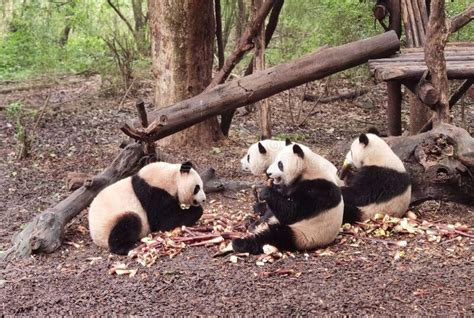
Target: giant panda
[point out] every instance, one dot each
(380, 184)
(258, 158)
(307, 204)
(260, 155)
(154, 199)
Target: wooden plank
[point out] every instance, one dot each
(399, 73)
(451, 46)
(399, 60)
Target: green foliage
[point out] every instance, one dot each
(306, 25)
(32, 32)
(33, 41)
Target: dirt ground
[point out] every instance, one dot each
(79, 132)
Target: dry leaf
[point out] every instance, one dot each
(269, 249)
(411, 215)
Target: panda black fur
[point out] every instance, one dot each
(307, 205)
(380, 184)
(258, 159)
(149, 201)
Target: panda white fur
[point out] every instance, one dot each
(149, 201)
(258, 158)
(306, 202)
(260, 155)
(380, 184)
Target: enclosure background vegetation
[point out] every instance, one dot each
(33, 42)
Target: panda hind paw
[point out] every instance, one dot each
(246, 245)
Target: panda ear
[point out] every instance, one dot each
(261, 148)
(263, 138)
(373, 130)
(287, 142)
(298, 151)
(186, 167)
(363, 139)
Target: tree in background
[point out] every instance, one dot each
(182, 34)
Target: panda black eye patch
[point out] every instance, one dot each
(248, 158)
(280, 165)
(196, 189)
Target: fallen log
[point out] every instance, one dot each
(252, 88)
(440, 163)
(44, 234)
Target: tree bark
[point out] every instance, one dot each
(220, 43)
(440, 162)
(182, 50)
(461, 19)
(259, 61)
(436, 39)
(140, 27)
(226, 118)
(252, 88)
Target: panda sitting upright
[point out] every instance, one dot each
(149, 201)
(380, 184)
(307, 205)
(260, 155)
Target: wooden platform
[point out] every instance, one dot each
(410, 64)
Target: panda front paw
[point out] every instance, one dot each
(260, 208)
(265, 193)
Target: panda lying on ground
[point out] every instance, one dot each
(380, 184)
(307, 205)
(149, 201)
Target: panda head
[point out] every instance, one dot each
(190, 188)
(289, 165)
(371, 150)
(261, 154)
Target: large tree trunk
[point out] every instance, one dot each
(182, 50)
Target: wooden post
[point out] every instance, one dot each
(394, 89)
(394, 108)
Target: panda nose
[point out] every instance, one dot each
(269, 174)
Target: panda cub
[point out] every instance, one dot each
(149, 201)
(307, 205)
(381, 183)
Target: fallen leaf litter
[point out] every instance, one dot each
(216, 230)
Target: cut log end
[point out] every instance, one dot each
(428, 94)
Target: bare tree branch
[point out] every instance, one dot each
(460, 20)
(243, 46)
(124, 19)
